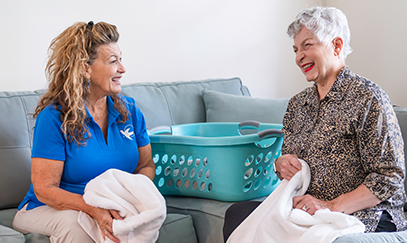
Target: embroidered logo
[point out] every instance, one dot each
(128, 132)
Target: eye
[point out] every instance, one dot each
(307, 45)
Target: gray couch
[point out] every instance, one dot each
(189, 219)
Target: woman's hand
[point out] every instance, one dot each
(347, 203)
(287, 166)
(104, 219)
(310, 204)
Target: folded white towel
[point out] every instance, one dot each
(135, 197)
(275, 220)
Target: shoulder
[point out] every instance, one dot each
(364, 89)
(51, 111)
(302, 97)
(305, 93)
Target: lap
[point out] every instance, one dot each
(60, 226)
(238, 212)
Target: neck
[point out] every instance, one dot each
(95, 104)
(325, 87)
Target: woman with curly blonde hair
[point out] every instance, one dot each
(83, 128)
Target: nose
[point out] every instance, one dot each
(121, 69)
(299, 56)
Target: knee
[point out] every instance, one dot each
(70, 230)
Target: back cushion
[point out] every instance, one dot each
(16, 125)
(166, 104)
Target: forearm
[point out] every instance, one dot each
(62, 200)
(148, 171)
(146, 164)
(358, 199)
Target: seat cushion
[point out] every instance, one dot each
(208, 215)
(177, 228)
(8, 235)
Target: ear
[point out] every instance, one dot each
(88, 71)
(337, 44)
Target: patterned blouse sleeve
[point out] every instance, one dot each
(381, 148)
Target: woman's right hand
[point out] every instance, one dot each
(287, 166)
(104, 219)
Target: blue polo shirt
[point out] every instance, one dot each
(83, 163)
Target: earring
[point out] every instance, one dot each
(87, 85)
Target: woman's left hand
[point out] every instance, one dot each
(310, 204)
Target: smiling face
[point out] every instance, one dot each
(317, 61)
(106, 71)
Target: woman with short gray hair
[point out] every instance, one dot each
(344, 127)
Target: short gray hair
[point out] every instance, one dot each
(326, 23)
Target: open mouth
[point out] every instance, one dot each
(308, 67)
(116, 81)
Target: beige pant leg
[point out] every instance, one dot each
(60, 226)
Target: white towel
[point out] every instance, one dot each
(275, 220)
(137, 200)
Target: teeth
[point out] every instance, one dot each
(308, 65)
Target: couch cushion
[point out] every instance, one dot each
(7, 217)
(221, 107)
(177, 228)
(166, 104)
(16, 125)
(151, 101)
(8, 235)
(208, 215)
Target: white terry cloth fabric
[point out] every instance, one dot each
(135, 197)
(275, 220)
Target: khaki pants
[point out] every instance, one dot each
(60, 226)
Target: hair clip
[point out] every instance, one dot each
(90, 25)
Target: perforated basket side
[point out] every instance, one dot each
(226, 173)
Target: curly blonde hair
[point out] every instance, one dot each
(69, 53)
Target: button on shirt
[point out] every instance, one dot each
(350, 137)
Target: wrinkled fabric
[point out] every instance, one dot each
(276, 221)
(350, 137)
(137, 200)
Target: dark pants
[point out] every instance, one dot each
(239, 212)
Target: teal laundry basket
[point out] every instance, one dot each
(221, 161)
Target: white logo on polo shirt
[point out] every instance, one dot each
(128, 132)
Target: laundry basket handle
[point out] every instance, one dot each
(159, 130)
(262, 134)
(249, 125)
(268, 132)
